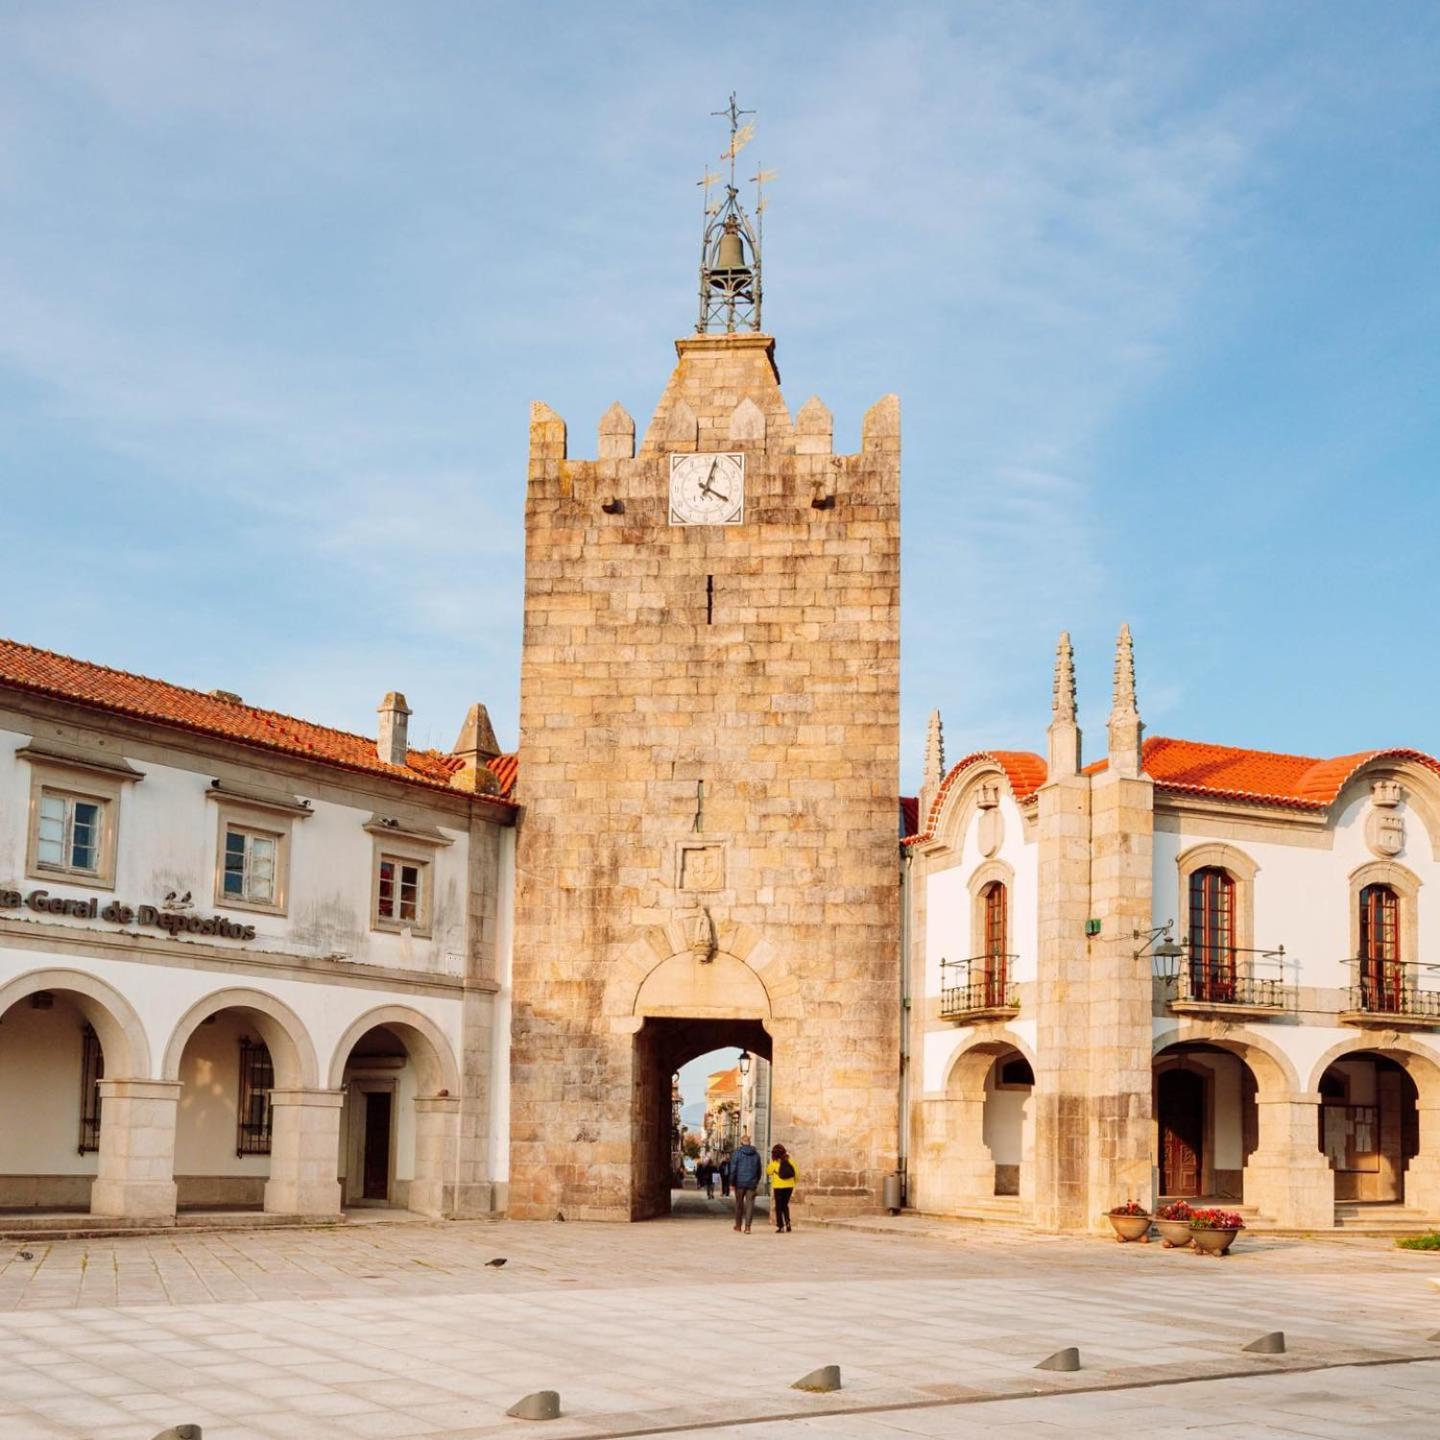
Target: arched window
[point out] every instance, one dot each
(997, 938)
(1381, 971)
(1212, 934)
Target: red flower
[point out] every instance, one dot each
(1216, 1220)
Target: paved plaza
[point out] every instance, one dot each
(402, 1329)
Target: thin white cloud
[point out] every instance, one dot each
(1005, 213)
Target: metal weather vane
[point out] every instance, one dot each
(730, 292)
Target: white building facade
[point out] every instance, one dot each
(1187, 971)
(246, 962)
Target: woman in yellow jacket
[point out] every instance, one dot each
(782, 1177)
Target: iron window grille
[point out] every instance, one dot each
(92, 1072)
(252, 1113)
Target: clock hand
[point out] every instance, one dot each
(706, 490)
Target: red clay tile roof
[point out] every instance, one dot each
(505, 768)
(1025, 772)
(909, 814)
(1298, 782)
(42, 672)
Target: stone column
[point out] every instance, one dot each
(967, 1168)
(1058, 1181)
(1287, 1177)
(1422, 1174)
(136, 1174)
(304, 1152)
(1061, 1006)
(1122, 829)
(432, 1191)
(1120, 1123)
(1027, 1157)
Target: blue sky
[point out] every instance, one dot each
(1157, 286)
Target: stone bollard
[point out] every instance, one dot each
(542, 1405)
(1271, 1344)
(180, 1432)
(1067, 1359)
(827, 1377)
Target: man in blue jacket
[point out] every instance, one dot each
(745, 1172)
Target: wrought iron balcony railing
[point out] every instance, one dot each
(1390, 989)
(1225, 978)
(978, 986)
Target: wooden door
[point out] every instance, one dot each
(377, 1145)
(1182, 1131)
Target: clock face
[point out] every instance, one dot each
(707, 489)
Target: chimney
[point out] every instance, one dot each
(476, 746)
(393, 746)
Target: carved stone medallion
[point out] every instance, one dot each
(1385, 824)
(701, 868)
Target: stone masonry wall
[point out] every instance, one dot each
(782, 704)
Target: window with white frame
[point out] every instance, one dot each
(70, 833)
(401, 892)
(249, 871)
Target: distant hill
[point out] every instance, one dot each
(693, 1115)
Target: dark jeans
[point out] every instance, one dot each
(744, 1207)
(780, 1203)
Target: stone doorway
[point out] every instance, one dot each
(663, 1045)
(1180, 1105)
(397, 1120)
(1206, 1123)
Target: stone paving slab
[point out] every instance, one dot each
(403, 1330)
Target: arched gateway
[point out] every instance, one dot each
(708, 770)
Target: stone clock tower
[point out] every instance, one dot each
(709, 773)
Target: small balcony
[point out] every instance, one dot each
(1227, 983)
(1388, 997)
(978, 989)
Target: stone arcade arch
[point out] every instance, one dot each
(42, 1052)
(1284, 1176)
(678, 998)
(1412, 1164)
(980, 1138)
(399, 1125)
(299, 1177)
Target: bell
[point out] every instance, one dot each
(730, 253)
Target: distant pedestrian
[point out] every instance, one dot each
(745, 1178)
(724, 1177)
(782, 1176)
(705, 1178)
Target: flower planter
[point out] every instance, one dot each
(1175, 1233)
(1130, 1227)
(1213, 1242)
